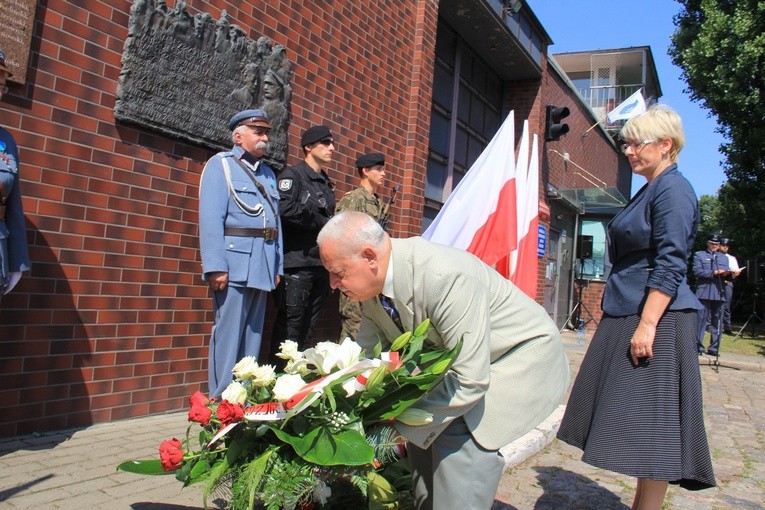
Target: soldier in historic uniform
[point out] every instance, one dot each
(710, 268)
(371, 168)
(14, 256)
(241, 243)
(307, 203)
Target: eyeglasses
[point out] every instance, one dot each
(635, 146)
(326, 141)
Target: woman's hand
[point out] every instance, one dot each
(641, 345)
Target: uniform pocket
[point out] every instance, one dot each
(238, 252)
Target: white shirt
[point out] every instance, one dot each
(387, 289)
(732, 262)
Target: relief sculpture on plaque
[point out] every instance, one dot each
(185, 75)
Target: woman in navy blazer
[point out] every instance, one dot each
(636, 407)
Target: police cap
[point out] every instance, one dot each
(713, 238)
(313, 134)
(725, 241)
(249, 118)
(370, 160)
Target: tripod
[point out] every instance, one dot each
(753, 315)
(576, 312)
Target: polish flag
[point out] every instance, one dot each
(480, 215)
(524, 261)
(507, 265)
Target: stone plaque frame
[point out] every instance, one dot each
(185, 76)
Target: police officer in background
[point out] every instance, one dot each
(14, 255)
(307, 203)
(710, 268)
(735, 270)
(371, 168)
(241, 243)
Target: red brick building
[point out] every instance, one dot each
(113, 320)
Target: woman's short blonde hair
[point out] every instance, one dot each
(657, 123)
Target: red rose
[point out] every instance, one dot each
(200, 414)
(170, 454)
(198, 399)
(229, 413)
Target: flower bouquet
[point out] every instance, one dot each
(318, 435)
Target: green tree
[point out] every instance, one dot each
(709, 212)
(720, 46)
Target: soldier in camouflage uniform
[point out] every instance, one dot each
(371, 168)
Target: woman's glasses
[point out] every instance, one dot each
(635, 146)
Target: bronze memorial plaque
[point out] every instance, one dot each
(185, 76)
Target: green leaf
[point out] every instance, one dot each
(381, 493)
(254, 472)
(413, 387)
(392, 403)
(144, 467)
(326, 449)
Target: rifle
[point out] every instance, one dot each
(386, 209)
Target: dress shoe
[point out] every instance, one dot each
(712, 353)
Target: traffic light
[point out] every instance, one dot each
(554, 128)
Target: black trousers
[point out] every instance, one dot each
(299, 298)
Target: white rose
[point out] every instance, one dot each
(286, 386)
(235, 393)
(245, 369)
(289, 350)
(263, 375)
(298, 366)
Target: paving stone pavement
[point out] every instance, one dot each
(75, 469)
(734, 410)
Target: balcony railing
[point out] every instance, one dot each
(603, 99)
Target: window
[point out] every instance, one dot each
(458, 137)
(598, 266)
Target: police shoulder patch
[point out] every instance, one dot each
(285, 184)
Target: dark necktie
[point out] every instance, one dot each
(391, 310)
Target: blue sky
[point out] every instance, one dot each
(603, 24)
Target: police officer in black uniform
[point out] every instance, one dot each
(307, 202)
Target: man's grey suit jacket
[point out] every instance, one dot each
(511, 373)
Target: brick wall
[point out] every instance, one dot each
(592, 150)
(113, 320)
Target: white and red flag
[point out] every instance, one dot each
(480, 216)
(524, 261)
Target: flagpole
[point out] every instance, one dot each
(592, 127)
(603, 184)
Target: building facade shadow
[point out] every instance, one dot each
(45, 353)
